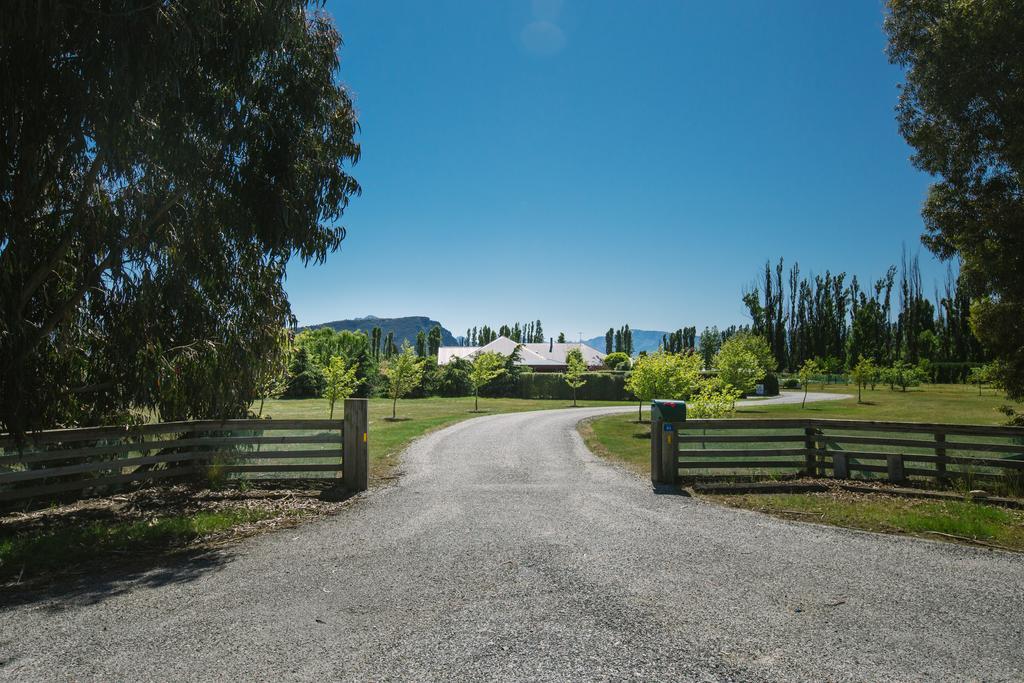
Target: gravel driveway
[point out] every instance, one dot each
(508, 551)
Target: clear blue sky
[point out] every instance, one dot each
(594, 163)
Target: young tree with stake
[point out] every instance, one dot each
(404, 372)
(341, 381)
(575, 371)
(862, 373)
(808, 371)
(487, 367)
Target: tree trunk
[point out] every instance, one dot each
(476, 402)
(640, 412)
(394, 409)
(803, 403)
(332, 411)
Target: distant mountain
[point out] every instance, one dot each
(643, 340)
(404, 328)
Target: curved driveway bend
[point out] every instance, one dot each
(508, 552)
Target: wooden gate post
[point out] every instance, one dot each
(354, 463)
(840, 465)
(810, 452)
(940, 454)
(669, 454)
(894, 465)
(656, 446)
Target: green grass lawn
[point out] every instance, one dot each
(415, 417)
(947, 403)
(621, 438)
(946, 520)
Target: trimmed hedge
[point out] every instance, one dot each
(600, 386)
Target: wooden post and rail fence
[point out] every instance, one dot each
(895, 451)
(99, 460)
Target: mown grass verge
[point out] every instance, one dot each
(946, 403)
(964, 522)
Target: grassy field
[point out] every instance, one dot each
(416, 417)
(947, 403)
(966, 521)
(621, 438)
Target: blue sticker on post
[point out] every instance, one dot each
(668, 427)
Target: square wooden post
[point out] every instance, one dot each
(840, 465)
(810, 452)
(355, 462)
(656, 445)
(669, 454)
(894, 461)
(940, 454)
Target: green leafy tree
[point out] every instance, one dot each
(340, 381)
(575, 371)
(962, 109)
(162, 163)
(863, 373)
(617, 361)
(663, 375)
(710, 343)
(487, 367)
(434, 340)
(712, 400)
(403, 372)
(902, 374)
(982, 375)
(421, 344)
(743, 361)
(808, 371)
(561, 337)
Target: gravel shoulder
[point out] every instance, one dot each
(508, 552)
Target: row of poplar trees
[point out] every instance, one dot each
(521, 333)
(831, 317)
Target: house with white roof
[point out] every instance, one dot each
(544, 357)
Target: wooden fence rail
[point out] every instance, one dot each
(97, 460)
(899, 451)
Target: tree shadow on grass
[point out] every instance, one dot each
(397, 419)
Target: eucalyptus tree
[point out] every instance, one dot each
(161, 165)
(962, 110)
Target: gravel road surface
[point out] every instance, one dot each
(508, 552)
